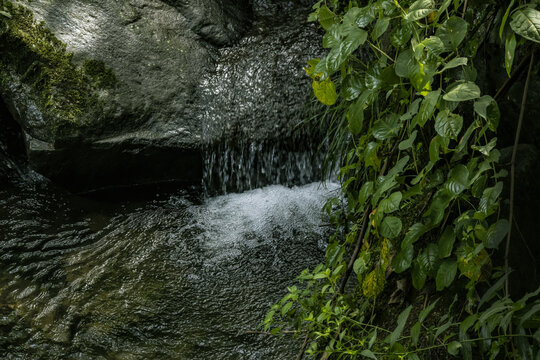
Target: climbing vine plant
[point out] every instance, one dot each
(421, 182)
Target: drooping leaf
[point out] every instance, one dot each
(452, 32)
(405, 63)
(401, 35)
(490, 197)
(365, 192)
(446, 274)
(325, 91)
(488, 109)
(418, 275)
(419, 9)
(496, 233)
(505, 18)
(381, 25)
(355, 117)
(371, 158)
(509, 52)
(446, 242)
(448, 124)
(332, 37)
(462, 92)
(391, 227)
(401, 320)
(526, 22)
(368, 353)
(429, 258)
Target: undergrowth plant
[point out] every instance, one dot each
(416, 142)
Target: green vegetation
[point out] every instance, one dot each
(31, 51)
(416, 142)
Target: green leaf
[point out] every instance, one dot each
(446, 274)
(326, 17)
(453, 348)
(401, 36)
(509, 52)
(391, 204)
(434, 147)
(419, 9)
(424, 313)
(386, 127)
(332, 37)
(340, 53)
(488, 109)
(490, 197)
(454, 63)
(380, 28)
(526, 22)
(351, 87)
(411, 111)
(370, 156)
(415, 333)
(402, 319)
(458, 180)
(448, 124)
(355, 117)
(360, 265)
(418, 276)
(462, 92)
(452, 32)
(446, 242)
(406, 144)
(391, 227)
(413, 234)
(496, 233)
(505, 18)
(365, 192)
(405, 63)
(368, 353)
(325, 91)
(429, 258)
(428, 107)
(402, 261)
(6, 14)
(432, 44)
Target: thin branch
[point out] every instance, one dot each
(464, 10)
(512, 77)
(513, 172)
(304, 347)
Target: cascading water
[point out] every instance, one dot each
(175, 276)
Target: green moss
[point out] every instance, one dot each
(66, 92)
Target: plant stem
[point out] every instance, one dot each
(513, 173)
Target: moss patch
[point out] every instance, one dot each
(66, 92)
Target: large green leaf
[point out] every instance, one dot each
(391, 204)
(401, 36)
(339, 53)
(452, 32)
(326, 17)
(332, 37)
(380, 27)
(458, 180)
(419, 9)
(446, 242)
(418, 275)
(402, 261)
(371, 158)
(386, 127)
(391, 227)
(408, 143)
(488, 109)
(496, 233)
(526, 22)
(365, 192)
(405, 63)
(462, 92)
(351, 87)
(325, 91)
(428, 107)
(448, 124)
(446, 274)
(490, 197)
(455, 62)
(429, 258)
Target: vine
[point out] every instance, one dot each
(421, 180)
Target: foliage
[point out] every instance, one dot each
(421, 178)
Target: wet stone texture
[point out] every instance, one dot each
(166, 79)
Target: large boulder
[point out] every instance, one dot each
(115, 92)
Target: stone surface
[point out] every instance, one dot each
(171, 76)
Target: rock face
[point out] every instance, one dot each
(115, 93)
